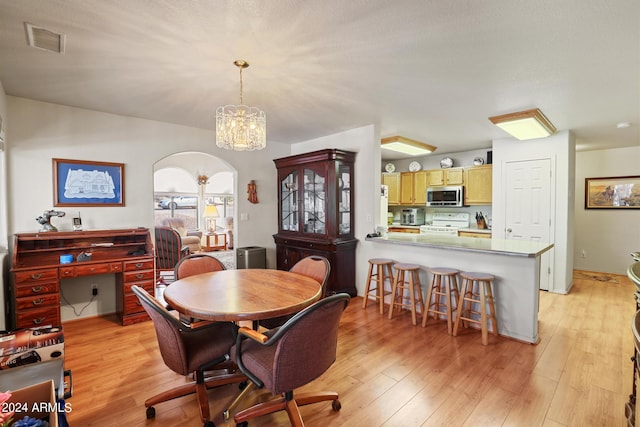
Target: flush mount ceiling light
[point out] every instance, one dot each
(524, 125)
(239, 127)
(407, 146)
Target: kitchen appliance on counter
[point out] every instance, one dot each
(412, 216)
(452, 196)
(446, 223)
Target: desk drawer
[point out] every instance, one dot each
(36, 275)
(137, 276)
(132, 305)
(148, 286)
(37, 301)
(145, 264)
(38, 317)
(90, 270)
(32, 289)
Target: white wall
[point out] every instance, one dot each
(606, 235)
(41, 131)
(4, 260)
(364, 141)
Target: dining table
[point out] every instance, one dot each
(243, 294)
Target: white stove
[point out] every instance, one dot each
(446, 223)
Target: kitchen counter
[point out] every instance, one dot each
(515, 264)
(449, 242)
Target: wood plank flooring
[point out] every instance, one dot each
(391, 373)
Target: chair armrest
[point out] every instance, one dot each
(196, 233)
(185, 250)
(254, 335)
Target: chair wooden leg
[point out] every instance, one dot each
(203, 401)
(294, 413)
(260, 409)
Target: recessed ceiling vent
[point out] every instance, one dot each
(44, 39)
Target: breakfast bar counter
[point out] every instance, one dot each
(515, 264)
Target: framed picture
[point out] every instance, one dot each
(620, 192)
(87, 183)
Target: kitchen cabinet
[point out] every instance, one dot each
(478, 185)
(392, 181)
(413, 188)
(400, 229)
(315, 213)
(470, 233)
(443, 177)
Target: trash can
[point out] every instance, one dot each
(251, 257)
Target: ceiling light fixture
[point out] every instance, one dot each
(239, 127)
(525, 125)
(406, 146)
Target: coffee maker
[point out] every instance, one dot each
(412, 216)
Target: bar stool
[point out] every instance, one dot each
(476, 289)
(444, 283)
(410, 283)
(379, 272)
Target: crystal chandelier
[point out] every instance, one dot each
(239, 127)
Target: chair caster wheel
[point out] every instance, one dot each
(242, 424)
(336, 405)
(151, 412)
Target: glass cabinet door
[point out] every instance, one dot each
(314, 202)
(344, 198)
(289, 202)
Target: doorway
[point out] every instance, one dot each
(528, 208)
(189, 186)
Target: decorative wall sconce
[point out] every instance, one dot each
(252, 191)
(203, 180)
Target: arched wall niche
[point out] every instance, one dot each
(178, 192)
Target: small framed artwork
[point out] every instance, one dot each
(87, 183)
(620, 192)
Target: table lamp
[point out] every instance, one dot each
(210, 215)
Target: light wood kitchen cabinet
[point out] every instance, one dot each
(413, 187)
(392, 180)
(442, 177)
(467, 233)
(478, 185)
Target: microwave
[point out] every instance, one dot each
(445, 196)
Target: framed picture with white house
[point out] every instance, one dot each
(87, 183)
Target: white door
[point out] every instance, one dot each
(528, 208)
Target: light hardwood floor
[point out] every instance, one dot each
(390, 373)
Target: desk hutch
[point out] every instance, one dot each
(315, 214)
(35, 290)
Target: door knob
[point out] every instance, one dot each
(509, 230)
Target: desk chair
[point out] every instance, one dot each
(187, 351)
(315, 267)
(169, 248)
(287, 358)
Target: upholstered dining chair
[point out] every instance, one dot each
(187, 351)
(197, 264)
(315, 267)
(169, 248)
(287, 358)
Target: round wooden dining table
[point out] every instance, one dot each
(244, 294)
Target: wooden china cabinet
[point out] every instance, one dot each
(315, 214)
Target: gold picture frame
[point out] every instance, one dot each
(618, 192)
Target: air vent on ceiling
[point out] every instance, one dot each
(44, 39)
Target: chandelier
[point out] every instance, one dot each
(239, 127)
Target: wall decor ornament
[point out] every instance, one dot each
(621, 192)
(87, 183)
(252, 191)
